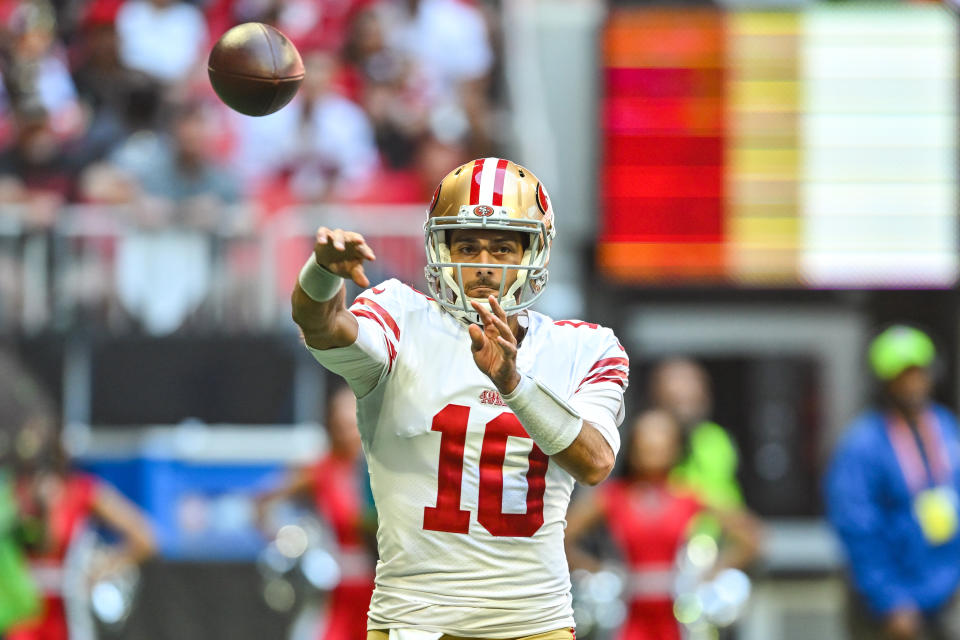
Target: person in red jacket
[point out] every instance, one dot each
(649, 520)
(337, 485)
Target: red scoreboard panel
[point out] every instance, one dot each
(813, 148)
(663, 119)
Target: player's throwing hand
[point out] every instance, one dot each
(494, 346)
(342, 253)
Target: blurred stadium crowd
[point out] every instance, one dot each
(132, 202)
(105, 106)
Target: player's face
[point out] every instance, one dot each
(490, 247)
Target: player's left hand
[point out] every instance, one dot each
(494, 346)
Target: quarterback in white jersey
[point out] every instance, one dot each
(477, 414)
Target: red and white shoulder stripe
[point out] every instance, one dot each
(612, 363)
(613, 369)
(366, 307)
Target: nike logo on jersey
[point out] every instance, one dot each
(488, 396)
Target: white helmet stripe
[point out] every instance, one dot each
(488, 177)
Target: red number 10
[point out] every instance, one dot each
(451, 422)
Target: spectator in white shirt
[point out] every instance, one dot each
(163, 38)
(448, 39)
(448, 43)
(37, 73)
(322, 140)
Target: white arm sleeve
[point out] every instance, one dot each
(602, 406)
(366, 362)
(363, 364)
(599, 396)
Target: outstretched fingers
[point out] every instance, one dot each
(349, 243)
(358, 244)
(497, 309)
(476, 337)
(336, 239)
(486, 318)
(359, 277)
(499, 319)
(493, 326)
(508, 347)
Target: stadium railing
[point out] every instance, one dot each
(95, 266)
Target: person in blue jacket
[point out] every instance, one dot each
(891, 495)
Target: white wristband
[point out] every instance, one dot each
(318, 283)
(552, 423)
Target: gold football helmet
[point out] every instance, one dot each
(496, 194)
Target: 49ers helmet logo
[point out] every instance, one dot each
(542, 200)
(482, 210)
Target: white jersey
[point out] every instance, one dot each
(471, 511)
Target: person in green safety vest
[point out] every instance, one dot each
(19, 595)
(709, 463)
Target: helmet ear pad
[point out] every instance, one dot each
(443, 249)
(514, 289)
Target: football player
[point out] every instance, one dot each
(477, 414)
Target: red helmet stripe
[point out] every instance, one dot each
(475, 182)
(498, 183)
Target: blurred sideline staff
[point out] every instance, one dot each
(708, 460)
(337, 484)
(891, 494)
(54, 503)
(650, 517)
(19, 596)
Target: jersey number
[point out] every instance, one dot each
(451, 422)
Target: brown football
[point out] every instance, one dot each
(255, 69)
